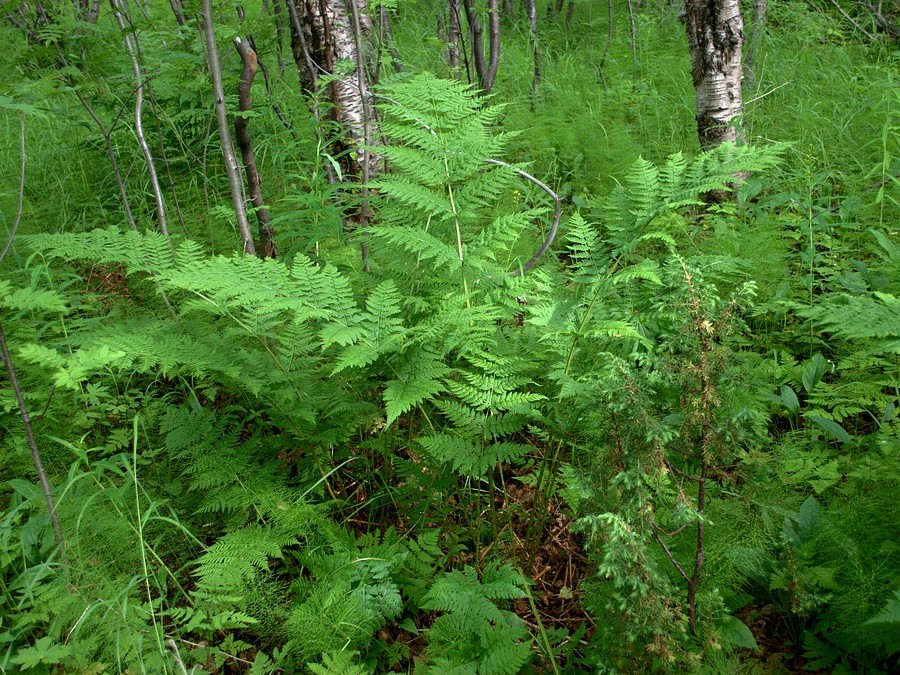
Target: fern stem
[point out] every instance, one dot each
(584, 320)
(541, 630)
(459, 248)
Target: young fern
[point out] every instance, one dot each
(436, 203)
(650, 192)
(474, 634)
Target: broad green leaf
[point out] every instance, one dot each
(789, 399)
(734, 632)
(809, 517)
(813, 371)
(832, 428)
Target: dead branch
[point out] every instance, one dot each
(231, 162)
(245, 143)
(120, 11)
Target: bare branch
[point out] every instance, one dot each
(118, 11)
(245, 143)
(852, 20)
(557, 214)
(231, 162)
(670, 556)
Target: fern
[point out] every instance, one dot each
(875, 317)
(648, 193)
(339, 663)
(138, 251)
(31, 299)
(435, 203)
(419, 378)
(353, 592)
(473, 632)
(487, 404)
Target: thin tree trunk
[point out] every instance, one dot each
(476, 31)
(231, 162)
(715, 32)
(634, 59)
(535, 51)
(279, 37)
(486, 71)
(178, 11)
(111, 154)
(554, 9)
(11, 371)
(306, 68)
(121, 11)
(493, 43)
(245, 143)
(35, 451)
(90, 11)
(453, 39)
(610, 34)
(694, 581)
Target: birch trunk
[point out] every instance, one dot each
(332, 39)
(715, 31)
(535, 51)
(121, 11)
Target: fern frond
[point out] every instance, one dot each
(137, 251)
(419, 378)
(875, 317)
(474, 633)
(31, 299)
(238, 556)
(419, 243)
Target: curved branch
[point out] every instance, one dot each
(130, 47)
(557, 214)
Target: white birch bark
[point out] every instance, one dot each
(715, 32)
(353, 100)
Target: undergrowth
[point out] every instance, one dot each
(320, 464)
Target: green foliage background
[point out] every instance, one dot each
(308, 464)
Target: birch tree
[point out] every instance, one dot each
(715, 33)
(334, 35)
